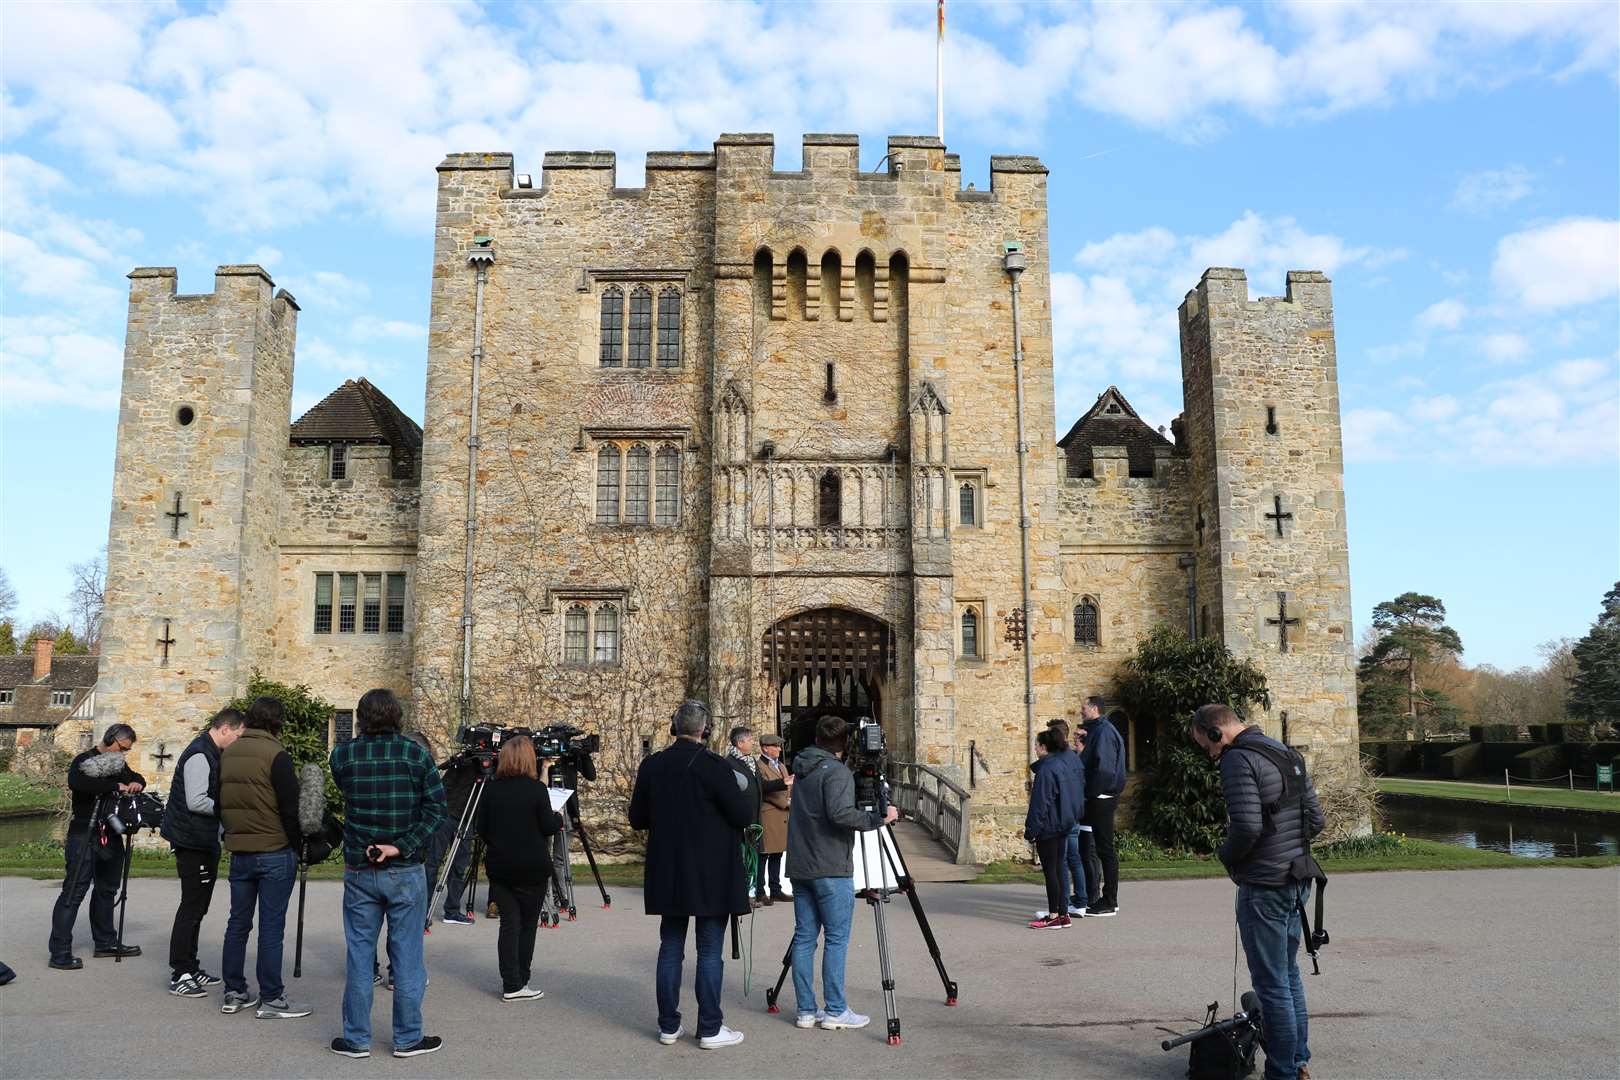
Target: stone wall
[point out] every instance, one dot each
(1241, 358)
(227, 357)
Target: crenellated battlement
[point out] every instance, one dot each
(1226, 286)
(234, 283)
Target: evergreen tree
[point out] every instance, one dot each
(305, 726)
(8, 638)
(1594, 691)
(1412, 636)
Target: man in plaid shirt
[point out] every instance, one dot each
(393, 803)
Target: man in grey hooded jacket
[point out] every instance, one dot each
(821, 835)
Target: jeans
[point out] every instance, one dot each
(1093, 865)
(1100, 816)
(1075, 881)
(87, 871)
(397, 891)
(1052, 850)
(263, 879)
(821, 906)
(198, 869)
(1268, 923)
(520, 917)
(711, 970)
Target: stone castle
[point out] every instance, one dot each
(743, 434)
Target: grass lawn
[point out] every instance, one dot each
(1495, 793)
(18, 794)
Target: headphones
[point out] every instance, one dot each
(674, 718)
(1210, 734)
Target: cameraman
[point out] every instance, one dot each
(822, 823)
(459, 777)
(689, 801)
(191, 826)
(1263, 839)
(94, 854)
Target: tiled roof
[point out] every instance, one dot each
(1111, 422)
(357, 412)
(67, 671)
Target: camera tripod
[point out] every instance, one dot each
(560, 897)
(877, 895)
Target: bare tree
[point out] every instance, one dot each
(8, 596)
(86, 599)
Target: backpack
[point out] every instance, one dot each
(1229, 1054)
(1291, 766)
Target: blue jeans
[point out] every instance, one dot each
(1268, 923)
(821, 905)
(263, 879)
(1076, 867)
(711, 971)
(397, 891)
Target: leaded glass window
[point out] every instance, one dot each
(612, 326)
(639, 353)
(607, 634)
(970, 632)
(669, 328)
(668, 485)
(347, 585)
(607, 485)
(396, 603)
(636, 480)
(576, 635)
(323, 603)
(1085, 622)
(371, 611)
(968, 505)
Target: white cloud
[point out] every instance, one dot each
(371, 328)
(1439, 407)
(1371, 435)
(1491, 190)
(1443, 315)
(1567, 263)
(41, 364)
(326, 289)
(1504, 348)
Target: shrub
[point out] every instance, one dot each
(1467, 760)
(1539, 763)
(304, 734)
(1363, 846)
(1163, 681)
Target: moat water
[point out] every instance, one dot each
(1495, 827)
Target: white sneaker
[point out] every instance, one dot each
(809, 1020)
(1041, 914)
(724, 1037)
(670, 1038)
(845, 1019)
(528, 993)
(1077, 912)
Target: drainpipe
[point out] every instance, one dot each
(480, 258)
(1014, 262)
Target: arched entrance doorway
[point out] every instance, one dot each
(826, 661)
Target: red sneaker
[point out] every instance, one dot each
(1065, 921)
(1051, 922)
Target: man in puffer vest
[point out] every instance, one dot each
(258, 805)
(191, 826)
(1264, 836)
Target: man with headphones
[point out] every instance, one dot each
(689, 801)
(1272, 816)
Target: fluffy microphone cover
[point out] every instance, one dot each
(311, 798)
(100, 765)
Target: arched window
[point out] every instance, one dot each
(576, 635)
(639, 343)
(636, 479)
(669, 327)
(607, 634)
(668, 486)
(607, 485)
(967, 505)
(829, 496)
(970, 632)
(612, 326)
(1085, 622)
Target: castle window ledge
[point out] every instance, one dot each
(340, 485)
(972, 662)
(828, 538)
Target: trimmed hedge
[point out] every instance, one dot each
(1467, 760)
(1586, 757)
(1540, 763)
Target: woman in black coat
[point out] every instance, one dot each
(516, 822)
(1055, 804)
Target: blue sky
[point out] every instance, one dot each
(1453, 167)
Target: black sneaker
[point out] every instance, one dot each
(67, 963)
(1101, 911)
(186, 986)
(205, 979)
(349, 1049)
(427, 1044)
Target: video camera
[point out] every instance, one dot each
(565, 744)
(864, 757)
(135, 810)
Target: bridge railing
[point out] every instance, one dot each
(935, 801)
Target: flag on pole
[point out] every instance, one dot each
(939, 74)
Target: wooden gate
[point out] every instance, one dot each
(827, 661)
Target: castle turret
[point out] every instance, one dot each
(197, 491)
(1262, 423)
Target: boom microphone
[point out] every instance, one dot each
(103, 765)
(311, 799)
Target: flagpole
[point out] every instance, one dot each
(939, 75)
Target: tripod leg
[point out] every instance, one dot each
(469, 814)
(590, 857)
(902, 874)
(298, 944)
(891, 1011)
(472, 877)
(123, 898)
(562, 867)
(775, 992)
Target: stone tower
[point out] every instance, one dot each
(197, 492)
(1273, 567)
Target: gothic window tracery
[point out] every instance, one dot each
(667, 508)
(637, 465)
(970, 633)
(607, 485)
(638, 351)
(829, 497)
(638, 483)
(1086, 622)
(612, 352)
(669, 327)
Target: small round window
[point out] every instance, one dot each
(185, 415)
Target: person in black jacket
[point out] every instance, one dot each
(191, 826)
(1104, 761)
(94, 854)
(740, 756)
(690, 802)
(1056, 800)
(1264, 836)
(516, 820)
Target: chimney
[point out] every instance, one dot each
(42, 657)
